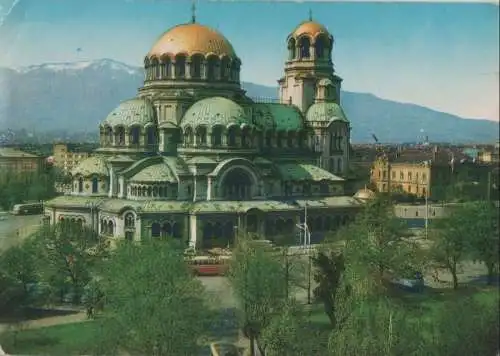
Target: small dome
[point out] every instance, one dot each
(156, 173)
(189, 39)
(215, 111)
(364, 194)
(311, 28)
(94, 165)
(328, 112)
(131, 112)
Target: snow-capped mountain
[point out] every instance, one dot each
(77, 96)
(102, 64)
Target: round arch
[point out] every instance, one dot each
(235, 178)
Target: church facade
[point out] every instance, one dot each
(193, 157)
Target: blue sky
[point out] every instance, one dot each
(444, 56)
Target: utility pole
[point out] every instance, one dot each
(426, 214)
(488, 192)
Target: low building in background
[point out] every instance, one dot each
(425, 171)
(68, 156)
(490, 155)
(16, 161)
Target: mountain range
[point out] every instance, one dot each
(77, 96)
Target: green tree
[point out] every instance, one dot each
(377, 327)
(68, 255)
(19, 273)
(466, 326)
(376, 242)
(330, 290)
(153, 303)
(484, 238)
(451, 238)
(259, 282)
(288, 333)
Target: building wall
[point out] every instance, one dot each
(65, 159)
(16, 161)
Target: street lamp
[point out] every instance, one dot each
(307, 244)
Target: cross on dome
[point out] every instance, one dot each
(193, 12)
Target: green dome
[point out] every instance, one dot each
(131, 112)
(160, 172)
(326, 112)
(94, 165)
(213, 112)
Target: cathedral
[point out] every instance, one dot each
(192, 157)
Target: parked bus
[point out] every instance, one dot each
(28, 209)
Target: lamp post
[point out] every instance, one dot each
(307, 244)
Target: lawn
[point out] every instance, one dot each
(68, 339)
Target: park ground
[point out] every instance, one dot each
(69, 332)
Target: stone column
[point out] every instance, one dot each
(193, 229)
(209, 137)
(187, 73)
(209, 188)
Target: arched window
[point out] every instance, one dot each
(196, 62)
(201, 135)
(167, 69)
(151, 136)
(217, 132)
(110, 229)
(291, 49)
(108, 131)
(320, 47)
(246, 139)
(180, 66)
(305, 47)
(80, 185)
(212, 64)
(166, 230)
(339, 165)
(225, 68)
(188, 136)
(231, 136)
(155, 68)
(134, 135)
(289, 139)
(237, 185)
(95, 185)
(155, 230)
(119, 136)
(269, 139)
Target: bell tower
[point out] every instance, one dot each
(309, 62)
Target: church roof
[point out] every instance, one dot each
(156, 173)
(299, 172)
(94, 165)
(131, 112)
(215, 111)
(327, 111)
(281, 117)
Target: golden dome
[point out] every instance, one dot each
(310, 28)
(190, 39)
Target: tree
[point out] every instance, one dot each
(153, 303)
(259, 282)
(376, 242)
(330, 267)
(484, 238)
(288, 333)
(377, 327)
(450, 239)
(69, 253)
(18, 274)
